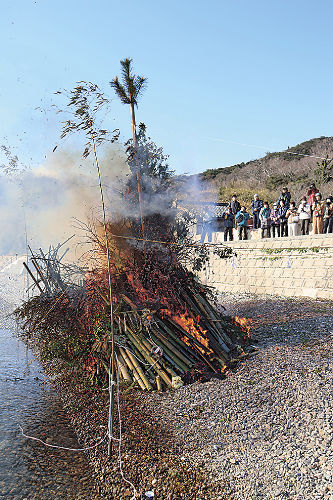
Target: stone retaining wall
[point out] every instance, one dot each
(293, 266)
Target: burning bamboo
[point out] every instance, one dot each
(166, 328)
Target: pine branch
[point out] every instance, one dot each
(120, 91)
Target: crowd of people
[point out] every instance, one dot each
(283, 218)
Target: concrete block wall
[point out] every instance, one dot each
(292, 267)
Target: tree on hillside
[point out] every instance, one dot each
(129, 90)
(324, 170)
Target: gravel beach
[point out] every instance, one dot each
(263, 432)
(266, 430)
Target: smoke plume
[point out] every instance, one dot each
(41, 206)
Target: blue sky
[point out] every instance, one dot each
(219, 73)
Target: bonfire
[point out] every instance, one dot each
(165, 324)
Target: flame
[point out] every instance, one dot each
(191, 326)
(245, 324)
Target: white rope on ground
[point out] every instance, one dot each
(63, 447)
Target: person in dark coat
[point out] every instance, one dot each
(234, 204)
(256, 206)
(282, 210)
(285, 196)
(229, 219)
(328, 216)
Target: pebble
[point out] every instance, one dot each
(279, 404)
(277, 441)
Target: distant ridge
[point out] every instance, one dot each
(297, 167)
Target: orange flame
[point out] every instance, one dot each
(245, 324)
(191, 326)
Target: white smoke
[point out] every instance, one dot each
(42, 205)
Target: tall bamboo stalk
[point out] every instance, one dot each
(112, 359)
(138, 176)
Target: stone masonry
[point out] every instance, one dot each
(293, 266)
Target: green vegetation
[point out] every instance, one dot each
(324, 172)
(295, 249)
(244, 194)
(297, 167)
(275, 181)
(211, 173)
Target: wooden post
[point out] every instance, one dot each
(33, 277)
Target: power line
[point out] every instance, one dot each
(268, 149)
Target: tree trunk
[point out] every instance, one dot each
(133, 124)
(138, 176)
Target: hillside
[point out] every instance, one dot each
(266, 176)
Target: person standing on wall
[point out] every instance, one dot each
(265, 220)
(285, 196)
(318, 208)
(256, 206)
(304, 212)
(293, 219)
(311, 194)
(275, 221)
(328, 216)
(229, 218)
(206, 226)
(282, 210)
(234, 204)
(242, 219)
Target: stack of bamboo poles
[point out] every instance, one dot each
(155, 351)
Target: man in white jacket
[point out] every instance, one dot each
(304, 211)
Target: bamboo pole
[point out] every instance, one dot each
(162, 362)
(196, 344)
(156, 365)
(159, 366)
(190, 337)
(178, 363)
(33, 277)
(180, 343)
(211, 326)
(101, 294)
(158, 383)
(213, 336)
(39, 271)
(129, 302)
(173, 348)
(140, 371)
(132, 368)
(214, 318)
(112, 357)
(123, 370)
